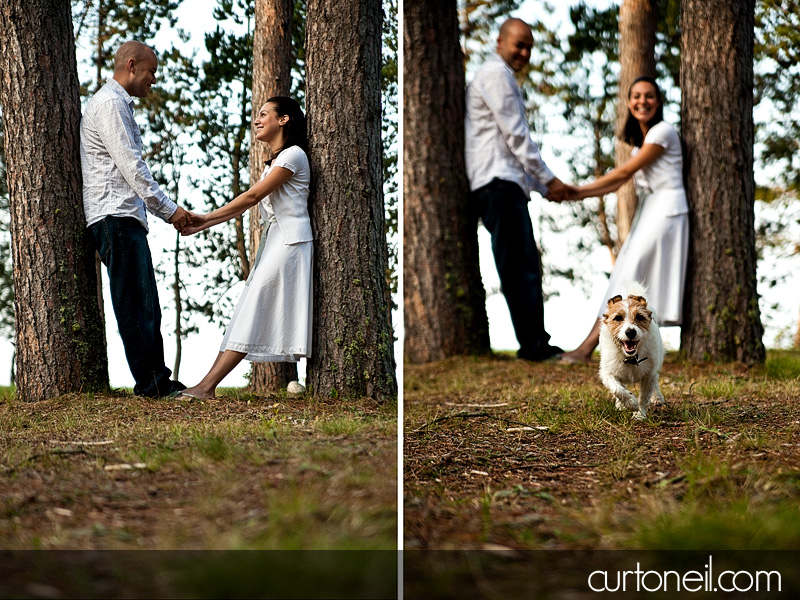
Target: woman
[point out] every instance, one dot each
(272, 322)
(656, 248)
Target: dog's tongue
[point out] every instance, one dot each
(630, 347)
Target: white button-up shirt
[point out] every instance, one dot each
(498, 143)
(116, 182)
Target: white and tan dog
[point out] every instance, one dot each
(631, 351)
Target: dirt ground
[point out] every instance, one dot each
(239, 472)
(504, 454)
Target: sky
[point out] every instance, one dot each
(568, 315)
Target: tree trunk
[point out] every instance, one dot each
(444, 299)
(637, 41)
(59, 334)
(353, 341)
(272, 76)
(722, 320)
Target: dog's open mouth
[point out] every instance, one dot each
(630, 347)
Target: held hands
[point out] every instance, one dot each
(558, 191)
(188, 223)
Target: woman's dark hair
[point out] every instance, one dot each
(632, 132)
(295, 129)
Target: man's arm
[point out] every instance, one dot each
(115, 129)
(504, 99)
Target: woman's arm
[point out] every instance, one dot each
(611, 181)
(276, 178)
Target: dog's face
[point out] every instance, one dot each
(628, 321)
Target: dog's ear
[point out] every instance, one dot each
(639, 299)
(614, 300)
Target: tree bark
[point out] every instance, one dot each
(722, 320)
(353, 340)
(272, 76)
(637, 40)
(59, 333)
(444, 299)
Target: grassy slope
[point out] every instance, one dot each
(239, 472)
(500, 453)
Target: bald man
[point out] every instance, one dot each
(118, 191)
(503, 167)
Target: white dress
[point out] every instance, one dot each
(656, 249)
(272, 322)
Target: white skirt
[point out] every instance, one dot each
(272, 322)
(655, 254)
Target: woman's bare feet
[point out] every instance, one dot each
(575, 357)
(197, 393)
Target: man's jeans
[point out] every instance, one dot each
(503, 208)
(122, 244)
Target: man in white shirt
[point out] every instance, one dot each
(503, 167)
(118, 189)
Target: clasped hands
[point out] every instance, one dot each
(188, 222)
(558, 191)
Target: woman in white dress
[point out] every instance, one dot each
(272, 322)
(656, 249)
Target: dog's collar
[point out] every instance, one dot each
(633, 360)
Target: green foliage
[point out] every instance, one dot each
(116, 22)
(221, 118)
(777, 52)
(389, 126)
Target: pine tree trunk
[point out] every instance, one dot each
(272, 61)
(722, 320)
(444, 299)
(637, 41)
(353, 341)
(59, 336)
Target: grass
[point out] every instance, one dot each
(540, 459)
(237, 473)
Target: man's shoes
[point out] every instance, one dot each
(540, 354)
(175, 388)
(170, 390)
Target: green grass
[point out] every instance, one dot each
(239, 472)
(716, 468)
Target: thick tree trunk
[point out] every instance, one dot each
(637, 41)
(353, 341)
(272, 72)
(722, 320)
(444, 299)
(59, 337)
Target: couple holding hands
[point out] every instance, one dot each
(272, 321)
(504, 165)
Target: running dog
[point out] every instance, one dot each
(631, 351)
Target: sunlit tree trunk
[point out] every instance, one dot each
(637, 40)
(444, 299)
(722, 320)
(272, 72)
(59, 333)
(353, 340)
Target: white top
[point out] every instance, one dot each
(664, 175)
(289, 203)
(498, 143)
(116, 182)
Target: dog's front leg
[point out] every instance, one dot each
(649, 389)
(623, 398)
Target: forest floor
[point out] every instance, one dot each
(503, 454)
(121, 472)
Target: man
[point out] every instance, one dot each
(503, 167)
(117, 188)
